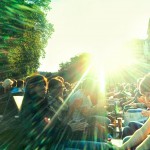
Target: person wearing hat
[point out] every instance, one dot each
(7, 84)
(5, 90)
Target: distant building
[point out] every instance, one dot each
(147, 45)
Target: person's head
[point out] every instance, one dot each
(26, 80)
(144, 88)
(20, 83)
(7, 84)
(56, 87)
(60, 78)
(89, 86)
(68, 85)
(36, 87)
(14, 83)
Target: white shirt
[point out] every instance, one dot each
(86, 102)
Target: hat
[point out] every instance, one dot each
(7, 82)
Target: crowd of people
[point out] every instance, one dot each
(55, 114)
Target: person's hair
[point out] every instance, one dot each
(32, 105)
(14, 83)
(145, 84)
(68, 85)
(54, 83)
(60, 78)
(28, 97)
(26, 80)
(7, 82)
(20, 83)
(35, 79)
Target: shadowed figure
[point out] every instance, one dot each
(28, 131)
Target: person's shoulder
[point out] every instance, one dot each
(146, 126)
(148, 120)
(78, 93)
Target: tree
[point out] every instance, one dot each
(25, 32)
(136, 46)
(74, 69)
(4, 67)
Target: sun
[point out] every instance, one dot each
(110, 64)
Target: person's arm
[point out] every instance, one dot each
(128, 102)
(75, 105)
(141, 105)
(146, 113)
(145, 144)
(138, 136)
(85, 111)
(95, 110)
(133, 105)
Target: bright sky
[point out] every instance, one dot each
(93, 26)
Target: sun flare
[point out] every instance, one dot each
(113, 61)
(111, 65)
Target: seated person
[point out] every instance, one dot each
(140, 139)
(134, 125)
(57, 107)
(31, 123)
(134, 102)
(5, 92)
(81, 109)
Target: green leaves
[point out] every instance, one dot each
(24, 34)
(73, 70)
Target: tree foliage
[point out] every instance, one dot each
(24, 33)
(137, 47)
(42, 3)
(74, 69)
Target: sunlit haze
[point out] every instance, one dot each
(99, 27)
